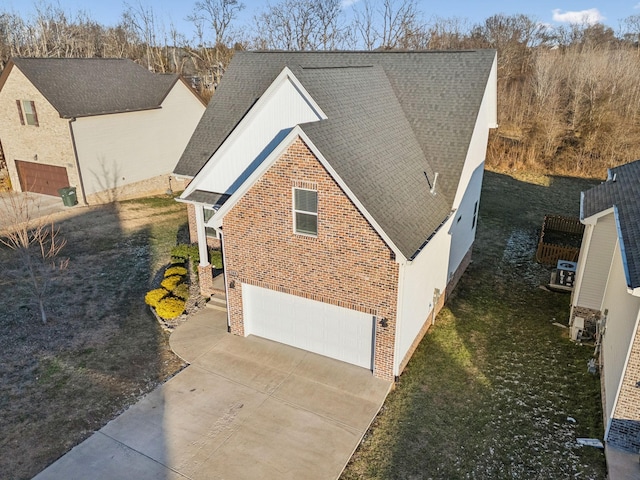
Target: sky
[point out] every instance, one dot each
(552, 12)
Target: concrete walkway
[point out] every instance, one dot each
(245, 408)
(15, 205)
(622, 465)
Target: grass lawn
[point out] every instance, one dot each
(495, 390)
(101, 349)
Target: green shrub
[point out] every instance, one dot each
(184, 250)
(170, 307)
(153, 297)
(181, 291)
(215, 257)
(170, 283)
(178, 261)
(175, 270)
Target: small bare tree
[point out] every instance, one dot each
(37, 244)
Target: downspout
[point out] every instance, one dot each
(399, 303)
(75, 154)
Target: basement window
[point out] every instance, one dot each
(305, 211)
(27, 112)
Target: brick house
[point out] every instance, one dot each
(344, 189)
(107, 126)
(607, 291)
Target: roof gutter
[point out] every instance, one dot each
(77, 163)
(432, 235)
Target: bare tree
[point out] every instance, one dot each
(390, 24)
(364, 25)
(515, 37)
(142, 20)
(212, 58)
(37, 245)
(400, 24)
(448, 33)
(301, 25)
(217, 15)
(630, 30)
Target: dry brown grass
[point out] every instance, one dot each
(100, 350)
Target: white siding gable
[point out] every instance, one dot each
(284, 105)
(597, 263)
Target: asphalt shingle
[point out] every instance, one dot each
(622, 191)
(80, 87)
(392, 118)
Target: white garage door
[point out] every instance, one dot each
(318, 327)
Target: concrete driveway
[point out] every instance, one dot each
(37, 206)
(245, 408)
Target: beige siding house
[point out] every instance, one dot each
(607, 295)
(108, 127)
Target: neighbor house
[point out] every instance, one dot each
(607, 296)
(344, 189)
(108, 127)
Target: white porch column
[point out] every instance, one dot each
(202, 237)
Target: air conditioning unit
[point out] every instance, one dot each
(566, 273)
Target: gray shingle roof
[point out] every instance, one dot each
(392, 116)
(80, 87)
(624, 194)
(216, 200)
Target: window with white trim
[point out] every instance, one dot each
(210, 231)
(305, 211)
(27, 112)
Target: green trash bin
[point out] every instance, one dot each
(68, 195)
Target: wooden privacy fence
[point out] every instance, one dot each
(558, 238)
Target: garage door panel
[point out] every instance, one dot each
(41, 178)
(318, 327)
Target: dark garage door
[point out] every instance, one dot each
(41, 178)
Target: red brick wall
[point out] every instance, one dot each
(347, 264)
(193, 229)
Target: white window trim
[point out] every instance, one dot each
(294, 211)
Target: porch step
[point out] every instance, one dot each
(220, 308)
(217, 303)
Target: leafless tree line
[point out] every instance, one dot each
(568, 96)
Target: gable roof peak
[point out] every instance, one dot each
(390, 117)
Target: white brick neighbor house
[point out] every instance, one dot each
(344, 188)
(607, 291)
(108, 127)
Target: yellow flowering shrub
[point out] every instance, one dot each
(154, 296)
(175, 270)
(170, 307)
(170, 283)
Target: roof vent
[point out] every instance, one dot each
(432, 188)
(615, 177)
